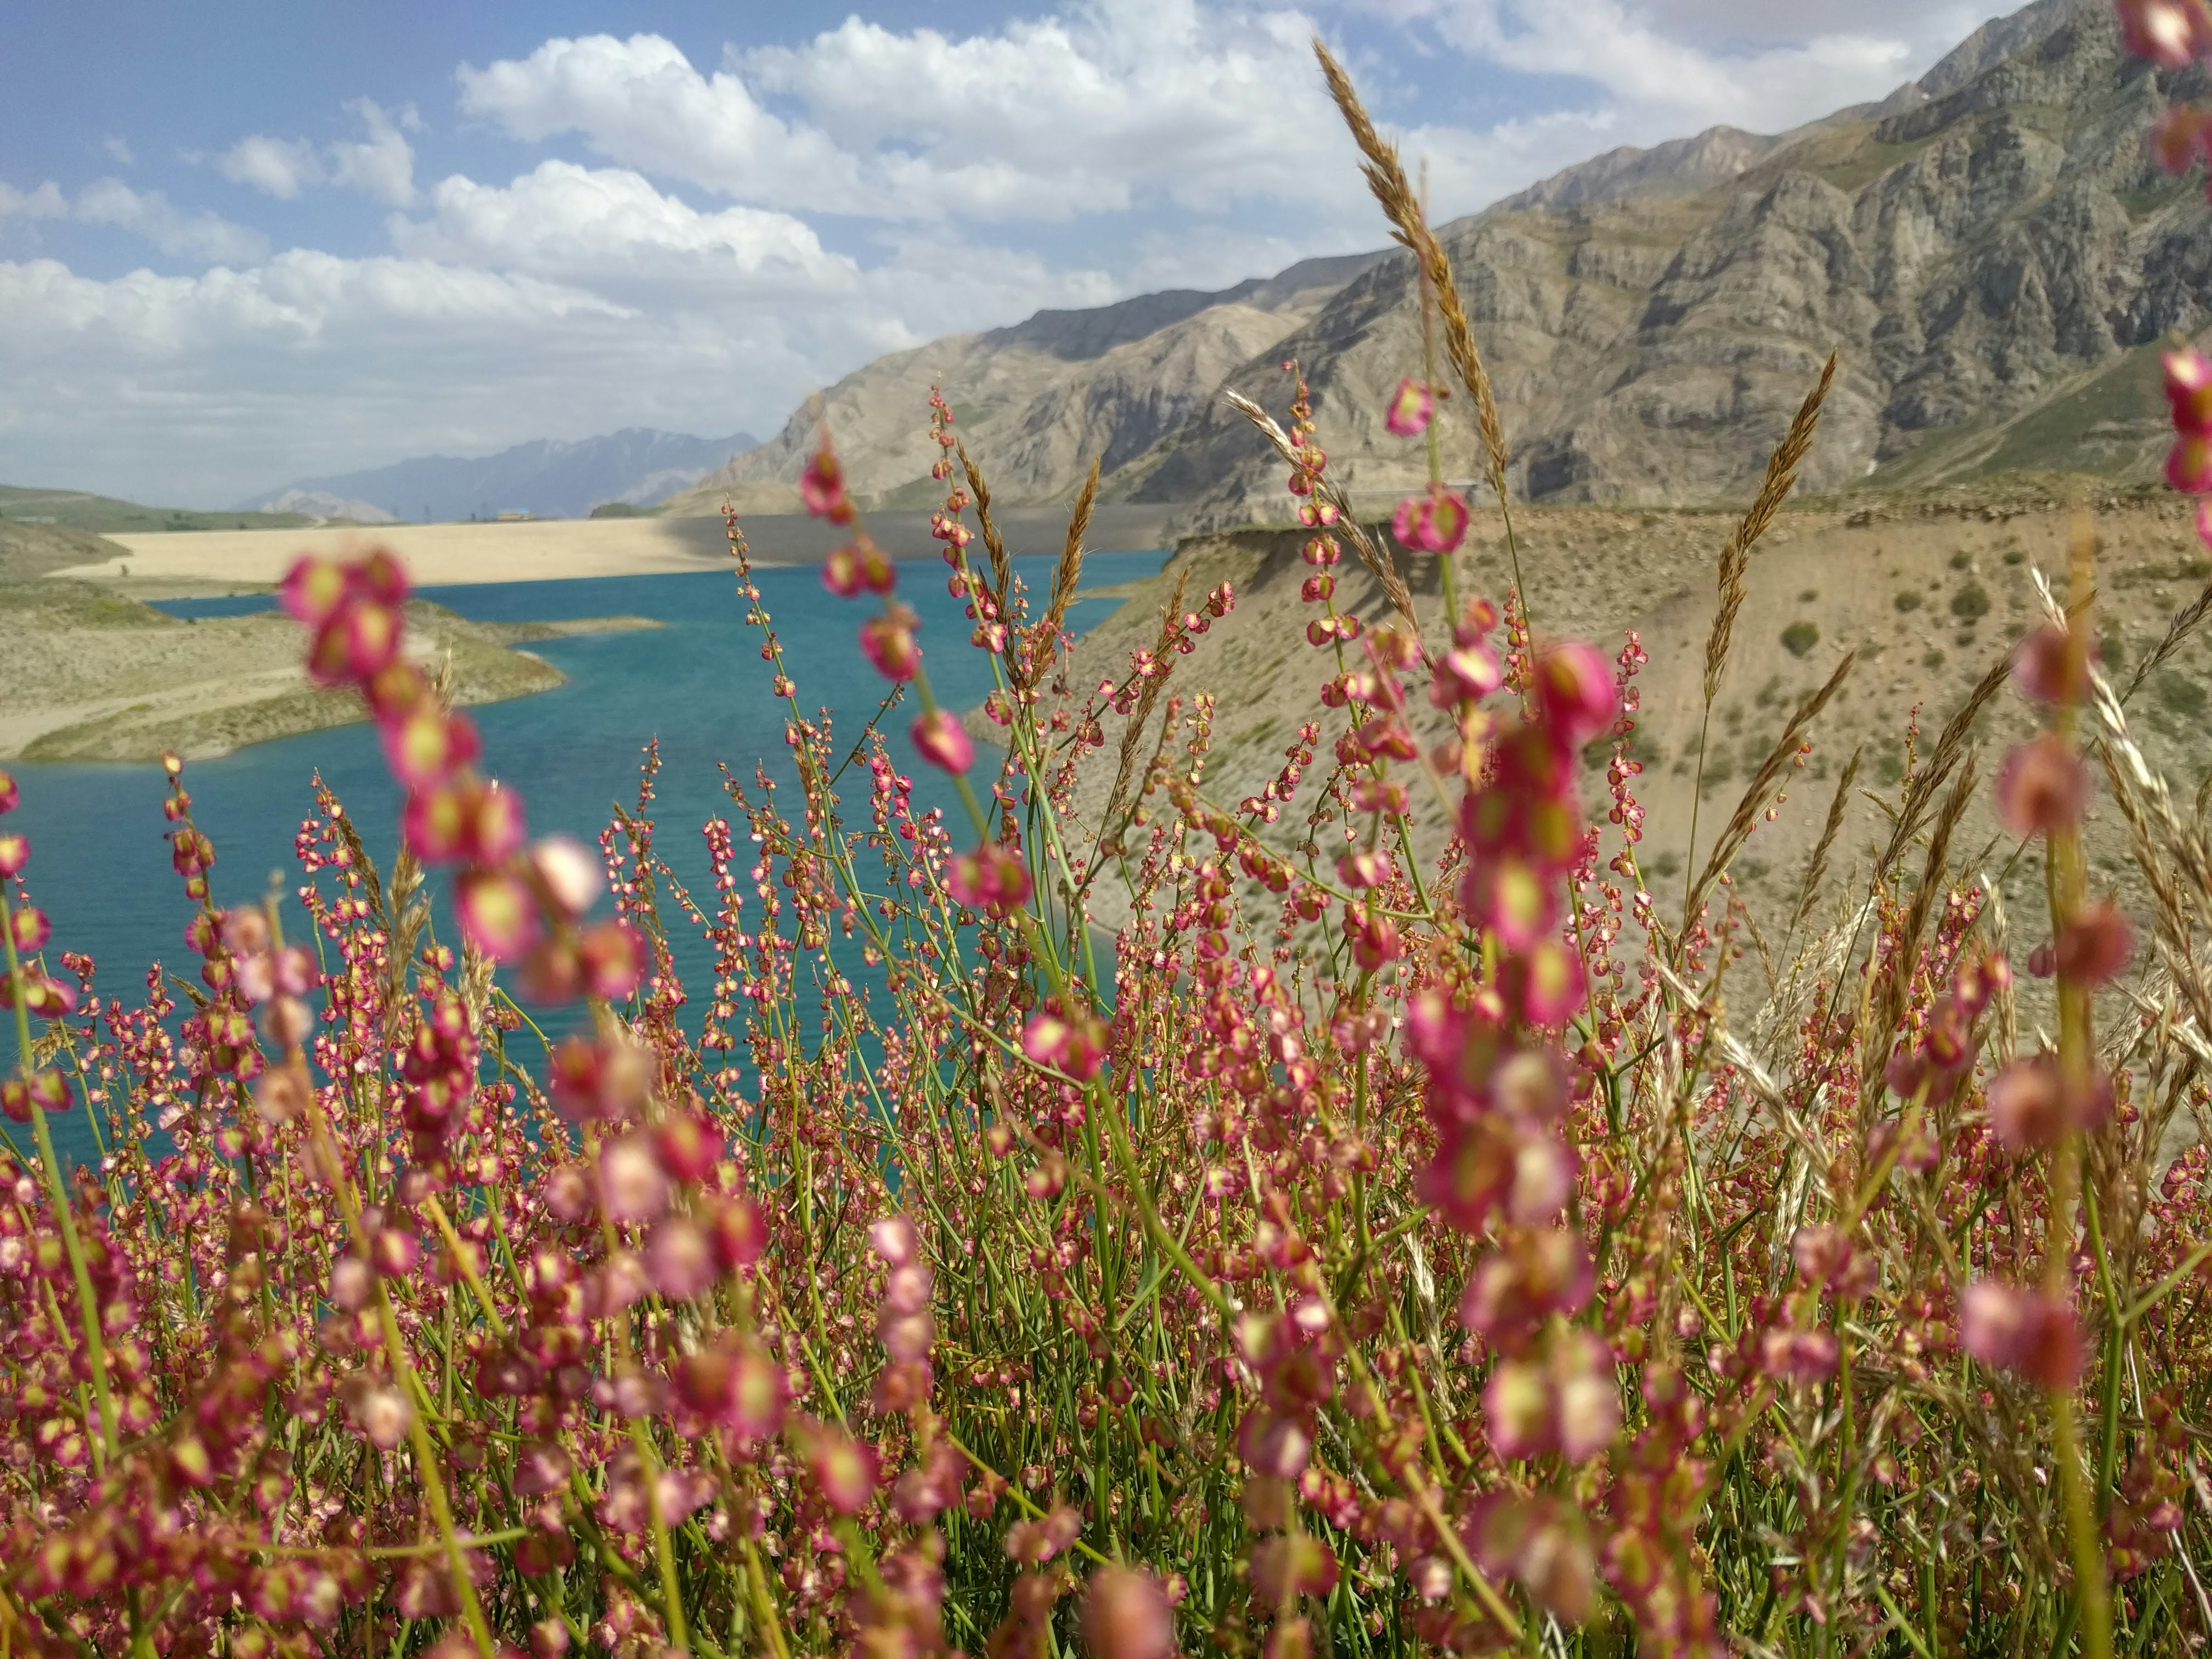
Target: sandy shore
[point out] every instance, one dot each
(437, 554)
(165, 564)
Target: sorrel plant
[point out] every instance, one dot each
(1411, 1248)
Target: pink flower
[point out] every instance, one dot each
(858, 566)
(1575, 691)
(15, 854)
(2189, 464)
(31, 929)
(8, 797)
(2189, 389)
(613, 960)
(1541, 1543)
(845, 1470)
(993, 878)
(679, 1259)
(313, 588)
(740, 1232)
(425, 747)
(1411, 405)
(358, 640)
(2052, 666)
(497, 911)
(822, 487)
(1799, 1356)
(2094, 946)
(1435, 523)
(2178, 138)
(888, 640)
(2042, 787)
(895, 1240)
(2014, 1329)
(736, 1383)
(1542, 1272)
(688, 1145)
(1466, 673)
(1126, 1615)
(944, 741)
(569, 873)
(2030, 1104)
(1565, 1401)
(632, 1184)
(2171, 33)
(1076, 1047)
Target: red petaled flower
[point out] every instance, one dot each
(943, 742)
(2171, 33)
(1409, 409)
(2042, 787)
(2014, 1329)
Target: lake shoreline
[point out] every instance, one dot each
(162, 564)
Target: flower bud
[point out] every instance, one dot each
(943, 742)
(2042, 787)
(1409, 409)
(1126, 1615)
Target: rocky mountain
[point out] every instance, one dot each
(322, 504)
(1036, 401)
(547, 478)
(1990, 250)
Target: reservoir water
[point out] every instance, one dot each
(101, 868)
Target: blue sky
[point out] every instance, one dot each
(245, 243)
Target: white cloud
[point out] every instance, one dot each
(574, 220)
(1655, 79)
(119, 150)
(1054, 119)
(381, 165)
(200, 236)
(282, 167)
(46, 202)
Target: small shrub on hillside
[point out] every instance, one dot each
(1908, 598)
(1799, 637)
(1971, 603)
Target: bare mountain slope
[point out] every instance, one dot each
(1034, 402)
(1975, 256)
(1988, 248)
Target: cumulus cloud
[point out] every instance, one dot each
(46, 202)
(203, 237)
(1659, 84)
(582, 222)
(1050, 119)
(381, 164)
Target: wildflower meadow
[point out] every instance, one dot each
(1370, 1248)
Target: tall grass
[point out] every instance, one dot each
(1374, 1249)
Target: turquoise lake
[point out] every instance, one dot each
(101, 868)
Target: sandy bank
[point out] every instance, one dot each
(440, 554)
(437, 554)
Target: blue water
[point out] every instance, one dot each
(100, 869)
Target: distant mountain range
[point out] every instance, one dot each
(547, 478)
(1989, 249)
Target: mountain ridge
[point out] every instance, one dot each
(546, 477)
(1988, 247)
